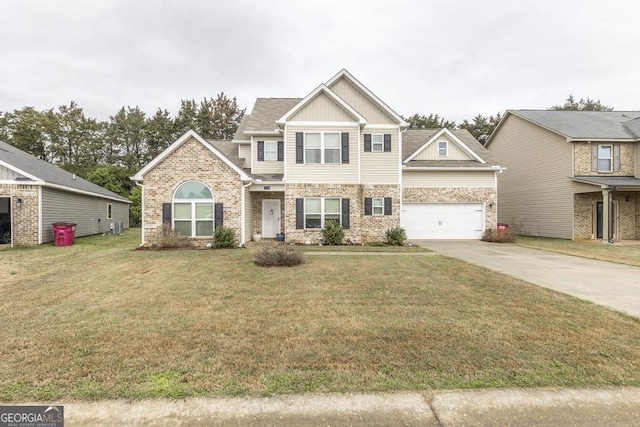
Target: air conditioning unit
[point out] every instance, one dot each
(116, 227)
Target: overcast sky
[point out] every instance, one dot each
(454, 58)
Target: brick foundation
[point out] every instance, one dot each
(25, 223)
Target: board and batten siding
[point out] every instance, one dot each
(265, 166)
(322, 109)
(454, 152)
(84, 211)
(321, 173)
(448, 178)
(535, 195)
(8, 174)
(380, 168)
(361, 103)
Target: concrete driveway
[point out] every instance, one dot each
(613, 285)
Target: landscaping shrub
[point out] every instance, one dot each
(495, 236)
(278, 256)
(168, 238)
(224, 237)
(332, 233)
(396, 236)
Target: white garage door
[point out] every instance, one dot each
(443, 220)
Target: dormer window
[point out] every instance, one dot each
(442, 148)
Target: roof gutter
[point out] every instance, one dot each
(86, 193)
(452, 168)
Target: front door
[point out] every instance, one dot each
(270, 218)
(612, 221)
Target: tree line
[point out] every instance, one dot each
(108, 152)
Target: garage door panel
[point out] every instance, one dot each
(443, 220)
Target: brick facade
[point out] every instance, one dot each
(486, 195)
(192, 161)
(582, 156)
(628, 215)
(25, 228)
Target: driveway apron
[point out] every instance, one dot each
(605, 283)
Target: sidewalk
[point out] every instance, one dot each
(505, 407)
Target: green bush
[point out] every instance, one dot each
(396, 236)
(332, 233)
(224, 237)
(278, 256)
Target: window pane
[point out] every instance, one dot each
(183, 227)
(604, 164)
(332, 156)
(204, 228)
(312, 205)
(332, 217)
(193, 190)
(312, 221)
(312, 156)
(604, 151)
(312, 140)
(377, 138)
(331, 206)
(204, 210)
(377, 143)
(331, 140)
(271, 150)
(182, 210)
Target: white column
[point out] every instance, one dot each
(605, 216)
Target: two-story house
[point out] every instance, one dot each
(339, 153)
(570, 174)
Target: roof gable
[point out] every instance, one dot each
(322, 89)
(344, 75)
(448, 135)
(210, 145)
(37, 171)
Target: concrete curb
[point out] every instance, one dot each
(504, 407)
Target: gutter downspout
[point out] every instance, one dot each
(243, 215)
(141, 210)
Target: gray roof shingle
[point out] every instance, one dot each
(51, 174)
(240, 135)
(266, 111)
(586, 124)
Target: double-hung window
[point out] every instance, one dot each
(377, 143)
(442, 148)
(271, 150)
(605, 158)
(322, 147)
(378, 206)
(318, 210)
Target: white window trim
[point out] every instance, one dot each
(445, 148)
(380, 143)
(322, 211)
(193, 203)
(380, 201)
(606, 158)
(109, 211)
(322, 148)
(273, 151)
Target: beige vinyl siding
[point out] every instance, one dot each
(62, 206)
(244, 152)
(266, 166)
(535, 195)
(8, 174)
(380, 168)
(322, 109)
(321, 173)
(448, 178)
(454, 152)
(361, 103)
(248, 215)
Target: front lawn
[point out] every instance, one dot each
(100, 320)
(623, 253)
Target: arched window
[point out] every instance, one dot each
(193, 210)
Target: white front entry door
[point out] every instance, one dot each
(270, 218)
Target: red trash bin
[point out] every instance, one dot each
(502, 229)
(64, 233)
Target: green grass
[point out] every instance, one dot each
(622, 253)
(100, 320)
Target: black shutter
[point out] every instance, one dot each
(166, 213)
(367, 142)
(387, 205)
(387, 142)
(218, 216)
(281, 151)
(299, 147)
(368, 206)
(345, 214)
(345, 147)
(261, 151)
(594, 157)
(299, 214)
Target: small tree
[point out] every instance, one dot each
(396, 236)
(224, 237)
(332, 233)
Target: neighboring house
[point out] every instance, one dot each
(35, 194)
(570, 174)
(338, 154)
